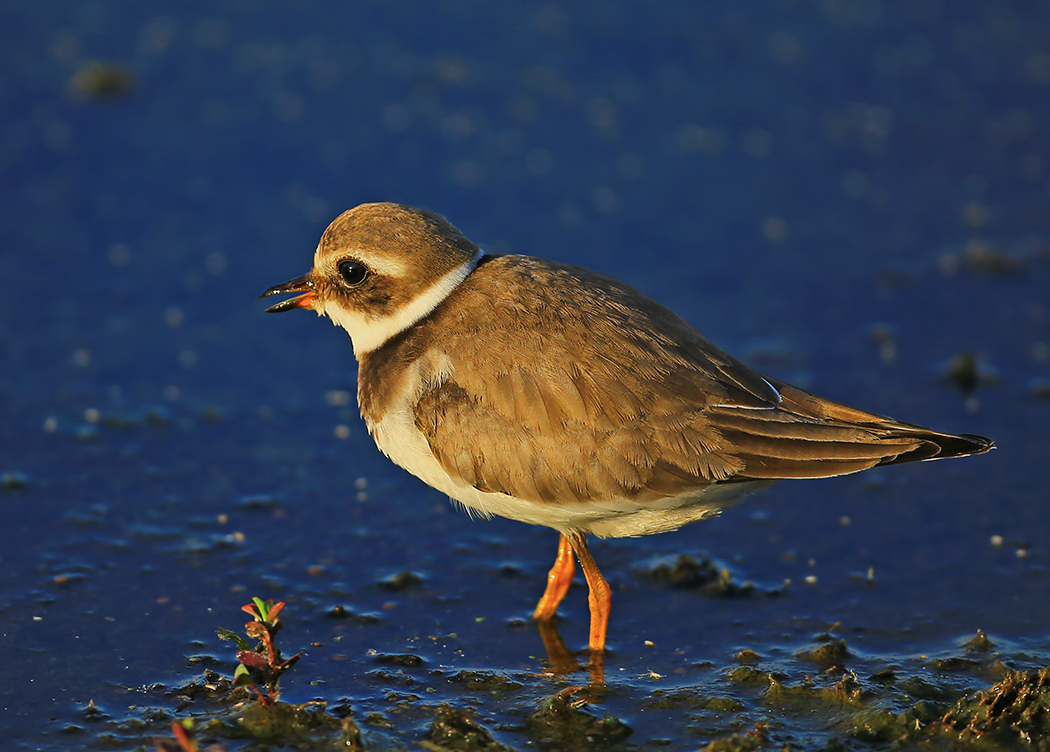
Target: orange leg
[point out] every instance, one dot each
(599, 597)
(558, 581)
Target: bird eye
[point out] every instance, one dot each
(352, 272)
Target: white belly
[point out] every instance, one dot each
(398, 438)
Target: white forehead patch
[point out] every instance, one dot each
(367, 332)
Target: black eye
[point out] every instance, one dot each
(352, 272)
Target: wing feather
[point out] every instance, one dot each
(602, 394)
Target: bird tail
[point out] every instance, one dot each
(810, 437)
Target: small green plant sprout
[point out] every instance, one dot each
(263, 665)
(185, 740)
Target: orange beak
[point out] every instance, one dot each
(303, 284)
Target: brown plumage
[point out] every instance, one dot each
(642, 407)
(553, 395)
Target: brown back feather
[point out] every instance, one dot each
(584, 390)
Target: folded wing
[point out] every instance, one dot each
(595, 393)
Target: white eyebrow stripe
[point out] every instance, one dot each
(385, 265)
(388, 266)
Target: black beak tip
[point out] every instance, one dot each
(284, 305)
(303, 284)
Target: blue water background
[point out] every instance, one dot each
(788, 176)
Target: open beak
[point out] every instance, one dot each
(303, 284)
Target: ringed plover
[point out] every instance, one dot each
(558, 396)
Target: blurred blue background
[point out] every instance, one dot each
(845, 193)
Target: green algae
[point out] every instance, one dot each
(564, 722)
(455, 730)
(832, 652)
(692, 573)
(307, 726)
(912, 702)
(492, 682)
(750, 742)
(920, 709)
(1015, 709)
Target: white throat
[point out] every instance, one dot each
(369, 332)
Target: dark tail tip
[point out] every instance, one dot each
(963, 444)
